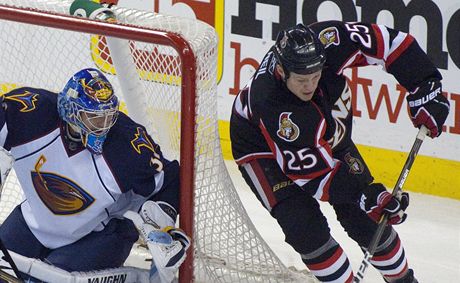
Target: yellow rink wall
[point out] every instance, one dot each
(434, 176)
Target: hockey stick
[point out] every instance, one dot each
(6, 164)
(5, 275)
(396, 192)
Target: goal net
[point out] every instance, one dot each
(164, 70)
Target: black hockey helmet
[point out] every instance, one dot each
(299, 50)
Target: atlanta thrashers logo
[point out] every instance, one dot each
(97, 89)
(288, 130)
(59, 194)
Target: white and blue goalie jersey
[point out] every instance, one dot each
(70, 192)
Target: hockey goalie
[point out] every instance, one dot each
(82, 164)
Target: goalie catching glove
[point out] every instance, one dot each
(168, 245)
(376, 200)
(427, 106)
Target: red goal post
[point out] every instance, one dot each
(166, 74)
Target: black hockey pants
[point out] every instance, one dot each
(298, 213)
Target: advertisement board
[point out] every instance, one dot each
(382, 128)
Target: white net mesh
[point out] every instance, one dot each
(227, 246)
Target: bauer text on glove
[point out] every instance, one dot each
(429, 107)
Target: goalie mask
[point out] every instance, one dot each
(87, 103)
(299, 50)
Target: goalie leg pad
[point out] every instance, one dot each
(49, 273)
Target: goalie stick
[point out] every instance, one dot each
(6, 164)
(396, 192)
(5, 275)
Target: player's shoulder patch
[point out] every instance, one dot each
(128, 136)
(130, 152)
(27, 99)
(329, 36)
(141, 141)
(30, 113)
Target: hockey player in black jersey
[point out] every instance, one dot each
(292, 149)
(82, 164)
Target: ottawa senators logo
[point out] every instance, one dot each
(288, 130)
(354, 164)
(329, 36)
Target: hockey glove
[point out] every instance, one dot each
(168, 245)
(376, 200)
(168, 248)
(427, 106)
